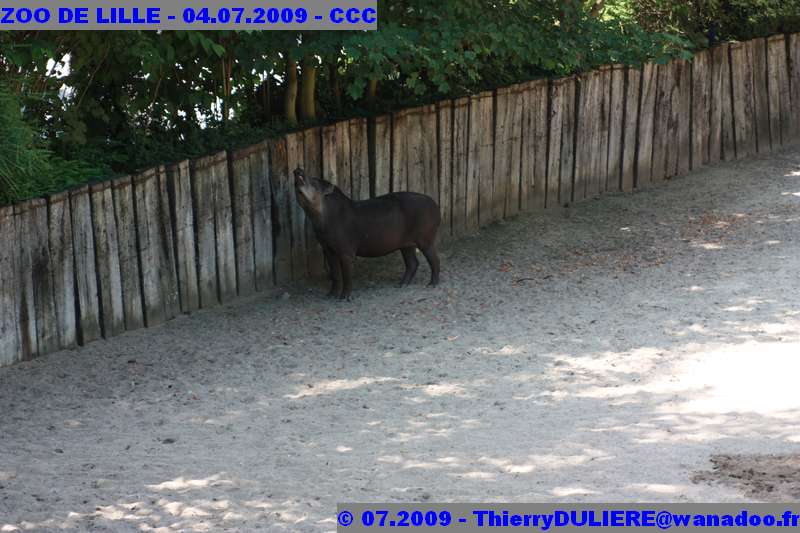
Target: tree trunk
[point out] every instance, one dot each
(372, 93)
(290, 99)
(308, 89)
(337, 85)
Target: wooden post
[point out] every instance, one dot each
(481, 140)
(616, 129)
(661, 128)
(128, 253)
(701, 85)
(294, 158)
(535, 138)
(383, 155)
(312, 157)
(85, 273)
(25, 239)
(604, 104)
(644, 153)
(180, 193)
(243, 219)
(282, 206)
(261, 198)
(502, 150)
(60, 241)
(461, 156)
(344, 177)
(359, 158)
(723, 141)
(414, 153)
(780, 112)
(632, 89)
(42, 270)
(682, 112)
(399, 151)
(169, 275)
(585, 147)
(445, 144)
(758, 54)
(202, 174)
(794, 82)
(429, 152)
(554, 151)
(106, 239)
(515, 173)
(743, 100)
(567, 163)
(10, 331)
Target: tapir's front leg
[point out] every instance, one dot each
(334, 271)
(346, 262)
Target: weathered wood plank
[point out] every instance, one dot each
(780, 112)
(344, 177)
(644, 152)
(60, 241)
(180, 193)
(683, 117)
(633, 85)
(261, 198)
(24, 213)
(414, 156)
(794, 82)
(758, 53)
(312, 157)
(672, 143)
(513, 191)
(460, 164)
(282, 206)
(383, 155)
(399, 140)
(661, 126)
(128, 253)
(556, 109)
(202, 179)
(742, 76)
(502, 150)
(42, 270)
(722, 145)
(445, 145)
(568, 125)
(10, 331)
(430, 152)
(223, 225)
(616, 128)
(145, 187)
(539, 128)
(295, 159)
(10, 285)
(585, 147)
(169, 274)
(243, 220)
(479, 171)
(701, 85)
(106, 240)
(359, 158)
(84, 264)
(604, 105)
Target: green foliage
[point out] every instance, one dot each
(104, 103)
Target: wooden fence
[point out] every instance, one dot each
(136, 251)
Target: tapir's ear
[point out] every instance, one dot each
(298, 173)
(327, 187)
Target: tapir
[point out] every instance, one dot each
(347, 228)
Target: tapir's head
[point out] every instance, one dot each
(311, 192)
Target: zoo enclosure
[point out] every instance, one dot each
(136, 251)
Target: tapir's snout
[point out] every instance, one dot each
(299, 177)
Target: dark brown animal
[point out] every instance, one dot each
(379, 226)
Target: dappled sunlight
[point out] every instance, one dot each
(183, 484)
(336, 385)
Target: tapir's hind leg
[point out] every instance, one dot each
(410, 259)
(433, 260)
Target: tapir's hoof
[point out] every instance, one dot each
(332, 294)
(346, 298)
(433, 283)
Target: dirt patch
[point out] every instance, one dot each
(769, 478)
(599, 353)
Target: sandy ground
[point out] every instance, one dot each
(607, 352)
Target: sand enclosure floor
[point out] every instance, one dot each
(607, 352)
